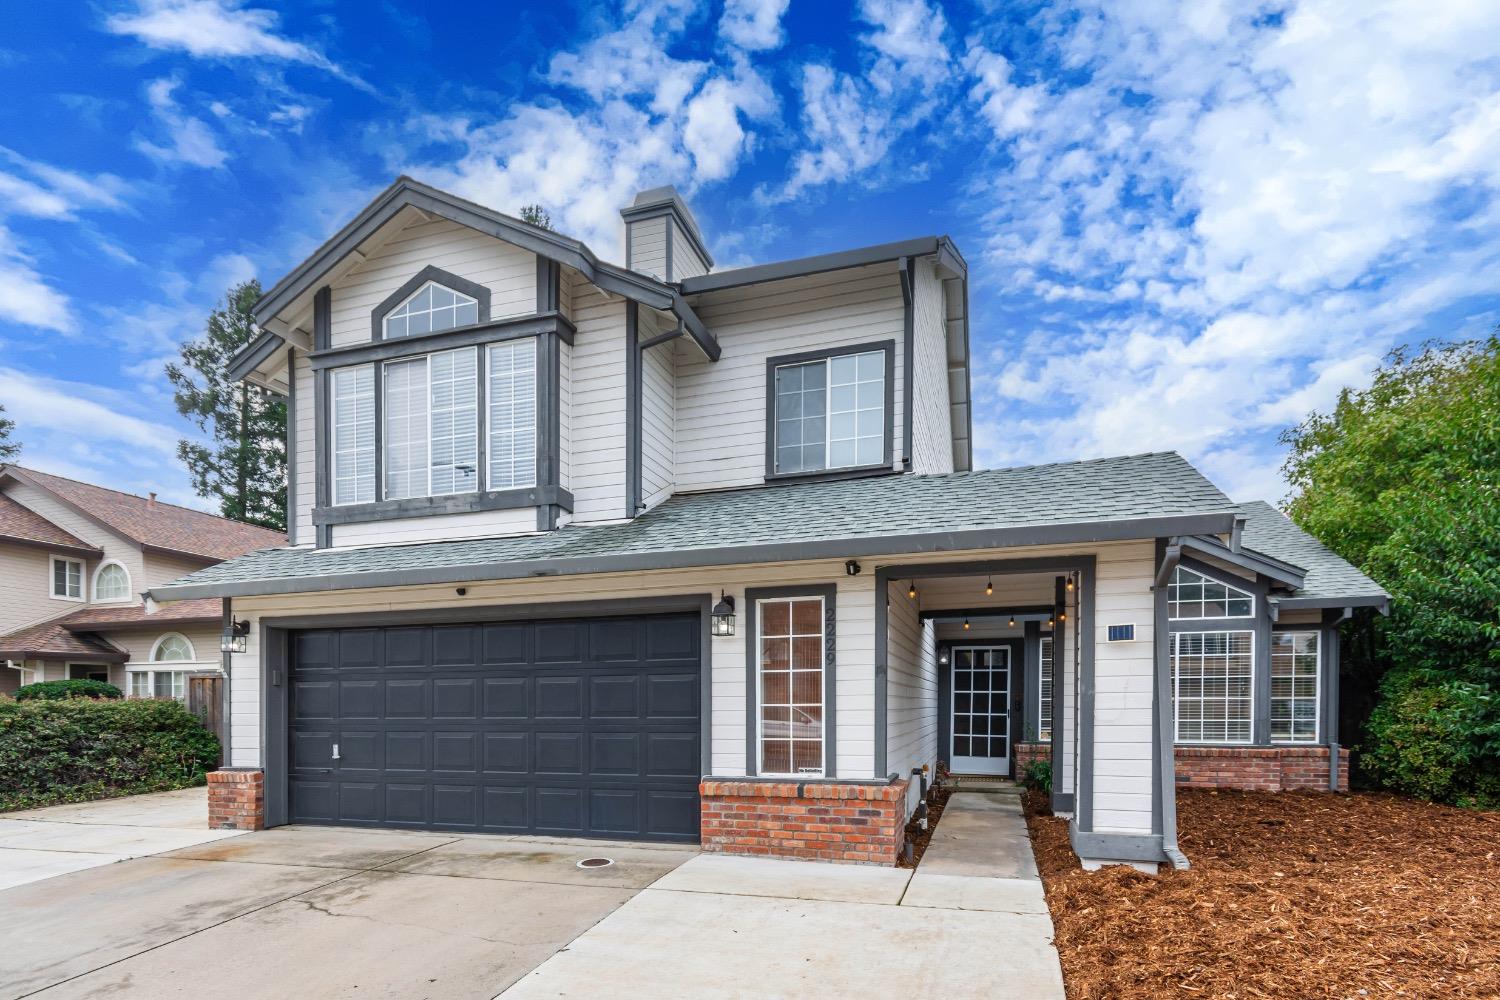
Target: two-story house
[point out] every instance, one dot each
(661, 551)
(75, 560)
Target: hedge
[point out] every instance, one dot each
(60, 690)
(77, 750)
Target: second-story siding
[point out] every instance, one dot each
(116, 547)
(597, 464)
(658, 416)
(25, 586)
(932, 435)
(305, 461)
(721, 406)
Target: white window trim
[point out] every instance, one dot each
(887, 429)
(822, 691)
(155, 646)
(1217, 618)
(129, 584)
(380, 435)
(83, 577)
(1044, 721)
(1176, 679)
(1317, 692)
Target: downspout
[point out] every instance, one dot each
(1166, 775)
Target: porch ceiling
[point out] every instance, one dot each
(966, 593)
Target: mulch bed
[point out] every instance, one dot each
(1289, 895)
(937, 798)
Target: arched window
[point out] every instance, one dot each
(1193, 595)
(172, 648)
(112, 583)
(432, 309)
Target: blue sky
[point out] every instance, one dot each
(1186, 225)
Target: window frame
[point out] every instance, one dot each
(83, 577)
(150, 683)
(1252, 698)
(413, 285)
(887, 462)
(1241, 591)
(161, 640)
(1045, 653)
(99, 571)
(1317, 697)
(753, 597)
(487, 411)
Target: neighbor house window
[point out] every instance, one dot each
(431, 445)
(1213, 686)
(791, 686)
(67, 579)
(1193, 595)
(1044, 692)
(1294, 687)
(112, 583)
(159, 684)
(830, 413)
(511, 398)
(172, 648)
(354, 435)
(432, 309)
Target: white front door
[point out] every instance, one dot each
(980, 742)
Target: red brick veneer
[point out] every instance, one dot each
(237, 799)
(819, 821)
(1026, 753)
(1258, 769)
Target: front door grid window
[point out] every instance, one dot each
(981, 709)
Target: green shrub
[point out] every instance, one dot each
(1436, 739)
(73, 751)
(62, 690)
(1038, 775)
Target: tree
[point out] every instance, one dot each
(1403, 480)
(9, 448)
(244, 465)
(536, 215)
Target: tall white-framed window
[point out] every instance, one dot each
(791, 636)
(510, 397)
(1192, 595)
(111, 583)
(1213, 685)
(1296, 686)
(1044, 692)
(830, 413)
(431, 443)
(353, 438)
(67, 579)
(432, 308)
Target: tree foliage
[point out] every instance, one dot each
(243, 466)
(1403, 480)
(63, 690)
(536, 215)
(9, 448)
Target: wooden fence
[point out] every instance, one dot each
(205, 699)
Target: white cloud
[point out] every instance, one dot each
(189, 140)
(753, 25)
(219, 29)
(846, 131)
(25, 296)
(43, 191)
(909, 37)
(51, 410)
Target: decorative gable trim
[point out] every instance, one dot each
(473, 289)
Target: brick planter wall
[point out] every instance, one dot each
(863, 824)
(1258, 769)
(236, 799)
(1025, 753)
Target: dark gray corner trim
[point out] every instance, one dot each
(458, 503)
(274, 689)
(1062, 802)
(632, 410)
(1281, 572)
(1164, 751)
(1381, 602)
(291, 446)
(1031, 666)
(548, 282)
(804, 266)
(322, 454)
(473, 289)
(968, 383)
(823, 354)
(908, 268)
(829, 593)
(552, 497)
(730, 555)
(253, 355)
(464, 336)
(1091, 846)
(323, 319)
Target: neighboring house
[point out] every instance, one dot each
(663, 552)
(74, 562)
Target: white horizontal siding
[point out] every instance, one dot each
(911, 686)
(648, 246)
(658, 417)
(597, 469)
(931, 423)
(506, 270)
(721, 406)
(565, 415)
(26, 588)
(685, 260)
(440, 527)
(1123, 682)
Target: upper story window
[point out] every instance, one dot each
(1193, 595)
(112, 583)
(830, 411)
(432, 309)
(431, 445)
(353, 434)
(511, 397)
(172, 648)
(67, 579)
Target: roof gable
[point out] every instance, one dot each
(22, 525)
(1330, 579)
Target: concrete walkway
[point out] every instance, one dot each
(971, 922)
(37, 844)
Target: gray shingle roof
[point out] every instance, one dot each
(1138, 496)
(1329, 575)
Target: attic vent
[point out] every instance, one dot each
(1122, 633)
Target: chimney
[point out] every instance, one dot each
(151, 500)
(662, 237)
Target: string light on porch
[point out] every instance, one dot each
(966, 623)
(989, 587)
(911, 590)
(1070, 583)
(1012, 621)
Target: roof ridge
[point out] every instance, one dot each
(137, 496)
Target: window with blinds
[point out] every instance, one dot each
(353, 436)
(511, 393)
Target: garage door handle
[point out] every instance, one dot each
(335, 751)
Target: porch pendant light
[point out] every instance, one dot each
(723, 615)
(989, 587)
(1049, 622)
(911, 590)
(966, 623)
(1012, 621)
(1070, 583)
(1062, 616)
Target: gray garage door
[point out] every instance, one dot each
(584, 728)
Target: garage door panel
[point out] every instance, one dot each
(569, 728)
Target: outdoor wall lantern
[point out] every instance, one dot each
(235, 637)
(723, 615)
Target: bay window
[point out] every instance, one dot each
(1295, 687)
(1213, 681)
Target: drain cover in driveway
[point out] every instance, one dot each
(595, 863)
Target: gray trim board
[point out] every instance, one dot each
(322, 457)
(1117, 846)
(843, 548)
(924, 246)
(1379, 602)
(908, 348)
(824, 354)
(632, 410)
(473, 289)
(253, 355)
(453, 503)
(753, 595)
(291, 445)
(1164, 746)
(1277, 570)
(480, 334)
